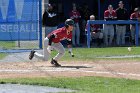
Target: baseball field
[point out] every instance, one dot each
(91, 70)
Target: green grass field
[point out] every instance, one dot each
(89, 84)
(92, 53)
(6, 45)
(83, 84)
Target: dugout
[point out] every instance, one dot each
(97, 7)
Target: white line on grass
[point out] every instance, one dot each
(121, 56)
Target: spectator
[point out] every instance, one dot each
(134, 16)
(109, 14)
(96, 31)
(122, 14)
(75, 15)
(50, 20)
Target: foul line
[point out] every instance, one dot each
(72, 70)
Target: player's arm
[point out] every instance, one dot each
(106, 16)
(110, 19)
(69, 40)
(70, 47)
(51, 37)
(69, 43)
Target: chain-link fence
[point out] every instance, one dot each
(19, 24)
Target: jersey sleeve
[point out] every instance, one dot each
(114, 14)
(105, 15)
(132, 17)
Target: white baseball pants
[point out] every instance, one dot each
(120, 32)
(45, 56)
(108, 31)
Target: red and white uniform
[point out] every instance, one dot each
(95, 31)
(95, 28)
(134, 16)
(109, 28)
(61, 34)
(110, 15)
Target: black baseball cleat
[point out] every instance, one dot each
(55, 63)
(31, 54)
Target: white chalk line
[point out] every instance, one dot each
(121, 56)
(72, 70)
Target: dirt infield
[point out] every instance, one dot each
(117, 69)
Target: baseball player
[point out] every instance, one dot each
(75, 15)
(134, 16)
(52, 41)
(95, 31)
(109, 14)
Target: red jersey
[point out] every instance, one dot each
(94, 28)
(134, 16)
(61, 34)
(110, 15)
(75, 15)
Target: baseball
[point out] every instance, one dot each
(129, 48)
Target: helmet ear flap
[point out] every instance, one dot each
(66, 25)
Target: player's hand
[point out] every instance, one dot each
(49, 48)
(70, 52)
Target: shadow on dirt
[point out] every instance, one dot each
(75, 67)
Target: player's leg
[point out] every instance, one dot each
(139, 31)
(46, 54)
(111, 33)
(58, 47)
(73, 36)
(105, 32)
(123, 35)
(31, 55)
(118, 33)
(132, 29)
(77, 34)
(99, 36)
